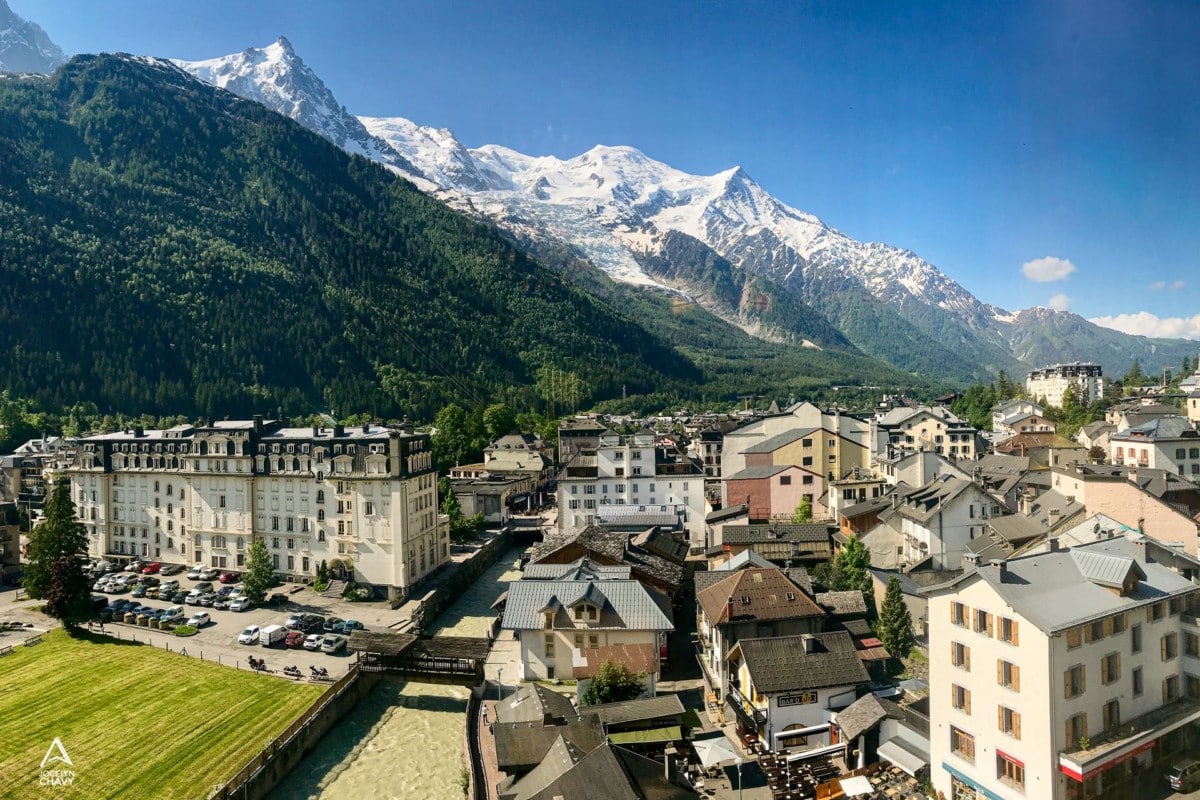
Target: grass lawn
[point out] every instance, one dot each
(137, 721)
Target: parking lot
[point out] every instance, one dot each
(218, 640)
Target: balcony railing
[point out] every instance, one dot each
(756, 714)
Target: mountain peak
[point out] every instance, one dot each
(24, 46)
(283, 44)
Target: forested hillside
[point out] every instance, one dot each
(168, 247)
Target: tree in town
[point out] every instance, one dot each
(803, 512)
(849, 571)
(54, 571)
(614, 682)
(462, 527)
(895, 621)
(499, 420)
(260, 570)
(323, 571)
(1097, 454)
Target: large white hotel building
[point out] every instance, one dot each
(361, 497)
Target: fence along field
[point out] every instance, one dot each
(135, 720)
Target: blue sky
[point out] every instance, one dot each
(998, 141)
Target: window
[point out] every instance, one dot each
(1135, 639)
(1009, 721)
(1110, 668)
(549, 643)
(962, 744)
(1074, 638)
(958, 614)
(1193, 686)
(960, 698)
(291, 544)
(1009, 770)
(275, 542)
(1156, 612)
(578, 612)
(1008, 675)
(983, 622)
(1009, 631)
(1076, 730)
(1138, 687)
(1112, 714)
(579, 641)
(1191, 645)
(1074, 681)
(275, 524)
(593, 640)
(1119, 623)
(1170, 646)
(785, 480)
(1096, 631)
(1170, 689)
(961, 655)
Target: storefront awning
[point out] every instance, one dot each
(671, 733)
(823, 728)
(1130, 739)
(894, 751)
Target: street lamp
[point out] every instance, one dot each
(499, 685)
(739, 770)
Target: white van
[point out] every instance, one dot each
(272, 635)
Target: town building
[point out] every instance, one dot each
(362, 498)
(1050, 383)
(1168, 443)
(578, 435)
(650, 485)
(773, 493)
(605, 548)
(832, 442)
(939, 519)
(935, 429)
(1020, 416)
(493, 496)
(557, 620)
(1062, 675)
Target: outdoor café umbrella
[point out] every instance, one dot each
(714, 752)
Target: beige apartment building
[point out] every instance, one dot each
(362, 498)
(1069, 674)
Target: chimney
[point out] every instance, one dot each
(316, 431)
(1052, 542)
(339, 431)
(138, 431)
(810, 645)
(669, 761)
(258, 423)
(366, 427)
(1002, 566)
(406, 425)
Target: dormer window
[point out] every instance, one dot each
(549, 620)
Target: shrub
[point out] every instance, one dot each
(357, 593)
(185, 630)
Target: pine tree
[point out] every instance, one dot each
(895, 621)
(260, 571)
(55, 571)
(614, 682)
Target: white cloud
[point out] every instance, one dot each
(1045, 270)
(1143, 323)
(1060, 302)
(1174, 286)
(1177, 285)
(1158, 285)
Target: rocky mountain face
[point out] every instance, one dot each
(24, 46)
(708, 238)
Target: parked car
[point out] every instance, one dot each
(221, 603)
(171, 586)
(224, 592)
(237, 591)
(148, 580)
(152, 568)
(193, 598)
(135, 566)
(332, 643)
(179, 597)
(332, 623)
(139, 591)
(173, 614)
(249, 636)
(294, 639)
(240, 604)
(199, 619)
(312, 641)
(294, 621)
(313, 623)
(172, 569)
(1184, 776)
(207, 599)
(203, 586)
(100, 585)
(277, 599)
(208, 574)
(229, 577)
(194, 573)
(349, 626)
(116, 587)
(105, 566)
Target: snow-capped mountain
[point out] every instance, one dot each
(24, 46)
(276, 77)
(720, 239)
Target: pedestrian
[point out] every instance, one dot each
(485, 719)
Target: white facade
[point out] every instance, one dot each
(1011, 703)
(1050, 383)
(631, 471)
(365, 497)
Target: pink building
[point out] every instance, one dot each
(774, 492)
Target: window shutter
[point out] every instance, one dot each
(1087, 634)
(1067, 687)
(1016, 678)
(1016, 638)
(967, 653)
(999, 671)
(1082, 680)
(989, 625)
(967, 700)
(1000, 718)
(1149, 614)
(1162, 647)
(1108, 627)
(954, 615)
(1118, 670)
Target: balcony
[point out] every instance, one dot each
(745, 708)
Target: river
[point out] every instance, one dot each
(404, 741)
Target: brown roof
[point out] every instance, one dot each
(756, 593)
(638, 657)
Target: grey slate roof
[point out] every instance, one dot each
(800, 577)
(861, 716)
(775, 442)
(1054, 591)
(648, 708)
(533, 702)
(843, 604)
(627, 605)
(523, 745)
(579, 569)
(922, 504)
(758, 473)
(782, 664)
(754, 534)
(614, 545)
(663, 543)
(729, 512)
(1156, 430)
